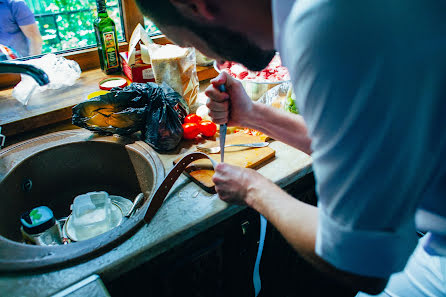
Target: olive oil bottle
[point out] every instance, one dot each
(107, 40)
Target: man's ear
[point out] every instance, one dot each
(194, 8)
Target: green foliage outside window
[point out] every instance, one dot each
(68, 24)
(150, 27)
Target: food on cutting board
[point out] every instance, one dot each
(247, 131)
(201, 171)
(274, 72)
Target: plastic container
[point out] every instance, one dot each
(40, 227)
(91, 214)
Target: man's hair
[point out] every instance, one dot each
(229, 45)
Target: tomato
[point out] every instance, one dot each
(192, 118)
(207, 128)
(191, 130)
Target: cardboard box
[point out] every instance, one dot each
(139, 72)
(135, 62)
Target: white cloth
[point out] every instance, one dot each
(370, 82)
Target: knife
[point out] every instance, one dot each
(223, 128)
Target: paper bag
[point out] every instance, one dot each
(136, 62)
(176, 66)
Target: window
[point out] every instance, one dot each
(124, 12)
(150, 27)
(68, 24)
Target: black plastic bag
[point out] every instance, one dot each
(121, 111)
(163, 128)
(156, 110)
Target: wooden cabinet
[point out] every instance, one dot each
(220, 262)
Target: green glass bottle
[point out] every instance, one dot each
(107, 40)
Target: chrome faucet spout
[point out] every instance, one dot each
(38, 74)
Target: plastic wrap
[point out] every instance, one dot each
(176, 66)
(281, 97)
(61, 73)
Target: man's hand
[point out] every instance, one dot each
(239, 110)
(234, 111)
(238, 185)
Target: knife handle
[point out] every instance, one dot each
(162, 191)
(223, 128)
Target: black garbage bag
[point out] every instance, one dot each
(121, 111)
(163, 128)
(145, 107)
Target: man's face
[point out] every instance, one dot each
(221, 44)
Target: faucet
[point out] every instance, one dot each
(38, 74)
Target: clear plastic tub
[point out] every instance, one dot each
(91, 214)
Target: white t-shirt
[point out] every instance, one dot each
(370, 82)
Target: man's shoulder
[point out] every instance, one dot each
(18, 4)
(365, 21)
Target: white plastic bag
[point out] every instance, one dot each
(61, 73)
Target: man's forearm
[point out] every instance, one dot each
(297, 222)
(283, 126)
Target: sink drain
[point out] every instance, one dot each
(27, 185)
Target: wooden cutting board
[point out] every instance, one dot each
(201, 171)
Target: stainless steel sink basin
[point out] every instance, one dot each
(52, 170)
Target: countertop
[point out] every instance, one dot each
(53, 106)
(187, 211)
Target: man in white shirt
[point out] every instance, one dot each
(370, 82)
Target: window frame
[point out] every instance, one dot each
(88, 58)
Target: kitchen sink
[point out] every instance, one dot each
(52, 170)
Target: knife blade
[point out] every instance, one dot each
(223, 128)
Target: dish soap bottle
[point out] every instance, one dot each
(107, 40)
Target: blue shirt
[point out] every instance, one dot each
(370, 82)
(13, 14)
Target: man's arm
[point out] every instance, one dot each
(35, 39)
(280, 125)
(235, 108)
(295, 220)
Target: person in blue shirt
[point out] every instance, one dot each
(370, 84)
(18, 28)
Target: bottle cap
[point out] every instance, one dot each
(37, 220)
